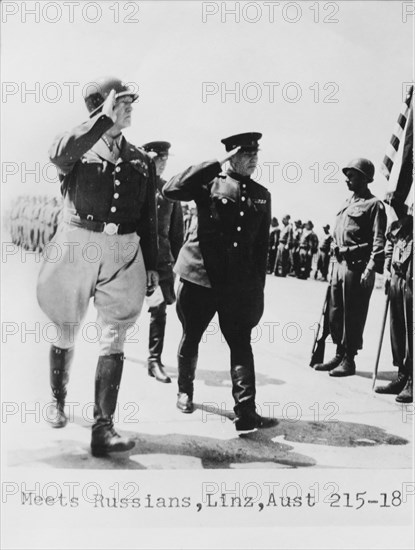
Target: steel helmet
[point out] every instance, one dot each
(96, 92)
(364, 166)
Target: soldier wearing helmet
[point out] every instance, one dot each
(107, 244)
(358, 246)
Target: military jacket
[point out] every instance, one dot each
(229, 243)
(399, 258)
(308, 241)
(286, 235)
(326, 241)
(170, 231)
(274, 237)
(97, 189)
(363, 220)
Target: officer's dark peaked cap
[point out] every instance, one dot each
(247, 141)
(159, 147)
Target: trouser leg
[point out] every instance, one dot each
(406, 395)
(356, 300)
(196, 306)
(240, 310)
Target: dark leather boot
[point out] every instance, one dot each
(346, 368)
(243, 391)
(248, 421)
(406, 395)
(156, 341)
(395, 386)
(156, 370)
(332, 363)
(60, 363)
(107, 382)
(187, 369)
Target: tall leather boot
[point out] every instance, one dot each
(243, 391)
(156, 340)
(60, 361)
(187, 370)
(107, 382)
(347, 367)
(406, 395)
(332, 363)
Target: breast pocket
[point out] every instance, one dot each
(356, 218)
(223, 209)
(137, 178)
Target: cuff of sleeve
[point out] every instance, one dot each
(373, 266)
(103, 121)
(215, 167)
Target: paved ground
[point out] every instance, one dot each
(322, 422)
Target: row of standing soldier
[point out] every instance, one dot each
(33, 220)
(292, 248)
(112, 191)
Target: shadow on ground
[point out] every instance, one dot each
(182, 451)
(386, 376)
(214, 378)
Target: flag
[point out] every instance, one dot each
(400, 186)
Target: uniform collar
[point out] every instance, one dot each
(366, 195)
(160, 182)
(238, 177)
(100, 149)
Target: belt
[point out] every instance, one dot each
(109, 228)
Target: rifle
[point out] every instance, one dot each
(382, 332)
(319, 344)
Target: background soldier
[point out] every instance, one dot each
(398, 282)
(308, 246)
(274, 238)
(109, 189)
(359, 241)
(282, 262)
(323, 259)
(297, 231)
(170, 240)
(222, 268)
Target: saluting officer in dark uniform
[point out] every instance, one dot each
(170, 240)
(109, 193)
(399, 284)
(222, 267)
(359, 242)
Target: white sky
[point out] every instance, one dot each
(170, 52)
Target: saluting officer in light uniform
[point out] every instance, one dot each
(359, 242)
(170, 240)
(109, 206)
(222, 267)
